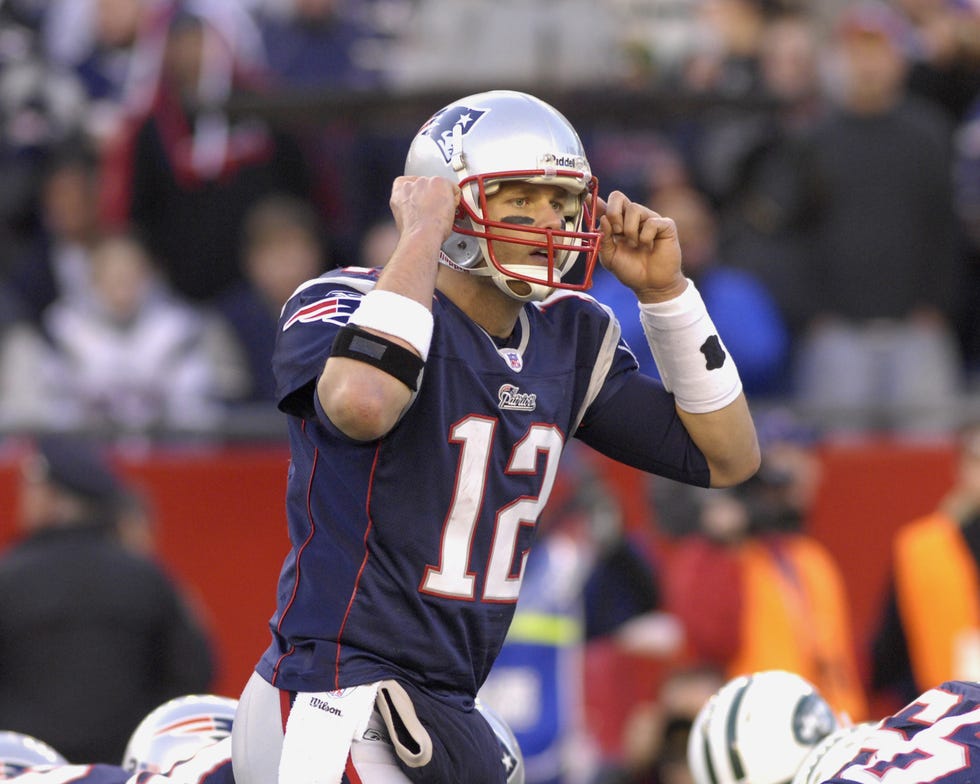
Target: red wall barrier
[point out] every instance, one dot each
(222, 532)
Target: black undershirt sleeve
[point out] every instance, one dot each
(638, 425)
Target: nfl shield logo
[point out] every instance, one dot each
(513, 358)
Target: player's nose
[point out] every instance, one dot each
(548, 216)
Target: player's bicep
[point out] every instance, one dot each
(637, 424)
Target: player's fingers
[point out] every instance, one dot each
(655, 227)
(606, 230)
(600, 210)
(615, 206)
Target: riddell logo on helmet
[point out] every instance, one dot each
(567, 161)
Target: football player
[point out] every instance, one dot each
(935, 738)
(185, 740)
(428, 403)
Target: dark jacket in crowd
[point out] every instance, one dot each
(92, 637)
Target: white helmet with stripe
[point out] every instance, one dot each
(19, 752)
(757, 729)
(176, 730)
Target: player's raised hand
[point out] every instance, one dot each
(640, 248)
(424, 204)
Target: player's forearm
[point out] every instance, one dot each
(364, 394)
(728, 440)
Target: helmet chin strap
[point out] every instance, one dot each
(523, 290)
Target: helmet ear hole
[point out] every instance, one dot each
(465, 252)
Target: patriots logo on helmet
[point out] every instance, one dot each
(11, 770)
(217, 726)
(334, 308)
(440, 126)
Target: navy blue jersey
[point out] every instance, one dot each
(933, 739)
(408, 552)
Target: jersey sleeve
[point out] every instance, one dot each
(626, 415)
(307, 327)
(636, 423)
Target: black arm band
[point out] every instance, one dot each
(356, 343)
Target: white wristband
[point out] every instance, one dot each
(396, 315)
(690, 356)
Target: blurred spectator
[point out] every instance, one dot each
(138, 359)
(56, 265)
(185, 171)
(754, 590)
(378, 243)
(922, 638)
(321, 44)
(97, 41)
(445, 44)
(747, 318)
(18, 341)
(727, 62)
(763, 179)
(21, 343)
(41, 107)
(657, 731)
(282, 248)
(879, 350)
(321, 51)
(946, 54)
(94, 636)
(966, 190)
(136, 524)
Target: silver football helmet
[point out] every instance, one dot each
(19, 751)
(176, 730)
(510, 750)
(758, 728)
(483, 139)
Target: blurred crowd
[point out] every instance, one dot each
(174, 168)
